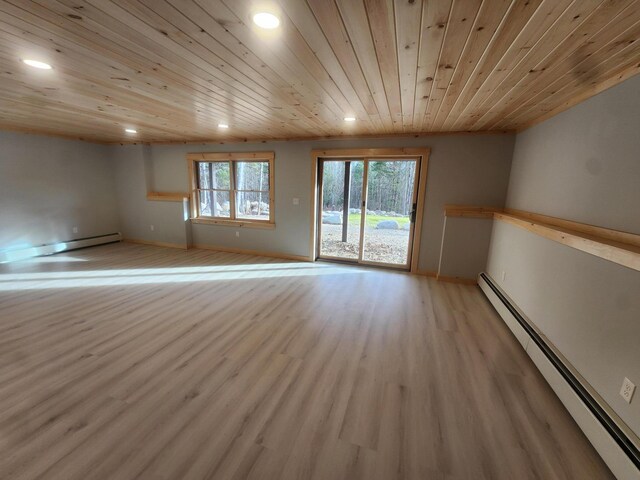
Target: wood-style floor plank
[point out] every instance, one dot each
(128, 361)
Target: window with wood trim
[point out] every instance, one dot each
(232, 188)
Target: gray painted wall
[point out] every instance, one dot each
(582, 165)
(136, 213)
(465, 247)
(472, 169)
(50, 185)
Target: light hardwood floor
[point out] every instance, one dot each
(128, 361)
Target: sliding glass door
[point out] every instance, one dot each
(367, 210)
(340, 203)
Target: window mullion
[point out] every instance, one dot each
(232, 193)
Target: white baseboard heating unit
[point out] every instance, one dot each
(609, 436)
(50, 249)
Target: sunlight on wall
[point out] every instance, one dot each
(28, 251)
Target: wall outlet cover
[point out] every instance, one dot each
(237, 234)
(627, 390)
(75, 229)
(152, 228)
(296, 201)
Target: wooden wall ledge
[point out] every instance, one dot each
(616, 246)
(168, 196)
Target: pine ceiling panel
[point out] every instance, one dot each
(175, 69)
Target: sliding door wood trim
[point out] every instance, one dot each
(371, 153)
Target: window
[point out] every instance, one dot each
(232, 188)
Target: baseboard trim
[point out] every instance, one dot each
(608, 434)
(257, 253)
(426, 273)
(446, 278)
(461, 280)
(153, 243)
(58, 247)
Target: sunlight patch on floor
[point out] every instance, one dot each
(142, 276)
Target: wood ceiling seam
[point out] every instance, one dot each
(544, 68)
(228, 82)
(304, 50)
(528, 62)
(433, 79)
(173, 69)
(80, 46)
(377, 89)
(426, 70)
(245, 69)
(490, 45)
(368, 100)
(503, 36)
(551, 74)
(284, 64)
(406, 57)
(381, 27)
(309, 33)
(65, 78)
(512, 54)
(428, 118)
(608, 73)
(623, 73)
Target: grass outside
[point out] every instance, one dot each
(372, 220)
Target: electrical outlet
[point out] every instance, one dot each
(627, 390)
(75, 229)
(237, 234)
(152, 228)
(504, 275)
(296, 201)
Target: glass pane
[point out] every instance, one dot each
(390, 186)
(252, 205)
(214, 203)
(213, 175)
(337, 238)
(252, 175)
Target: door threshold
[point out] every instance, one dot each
(402, 269)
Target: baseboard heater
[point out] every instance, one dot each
(50, 249)
(613, 444)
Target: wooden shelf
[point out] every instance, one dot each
(468, 211)
(168, 196)
(616, 246)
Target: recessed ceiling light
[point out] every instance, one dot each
(130, 130)
(223, 125)
(37, 64)
(349, 119)
(266, 20)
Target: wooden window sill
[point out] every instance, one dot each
(233, 223)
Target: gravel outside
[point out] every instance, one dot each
(384, 246)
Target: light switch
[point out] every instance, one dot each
(296, 201)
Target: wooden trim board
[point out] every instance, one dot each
(423, 160)
(168, 196)
(616, 246)
(468, 211)
(620, 253)
(453, 279)
(231, 157)
(258, 253)
(607, 233)
(140, 241)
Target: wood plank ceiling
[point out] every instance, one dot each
(174, 69)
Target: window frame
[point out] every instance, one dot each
(232, 159)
